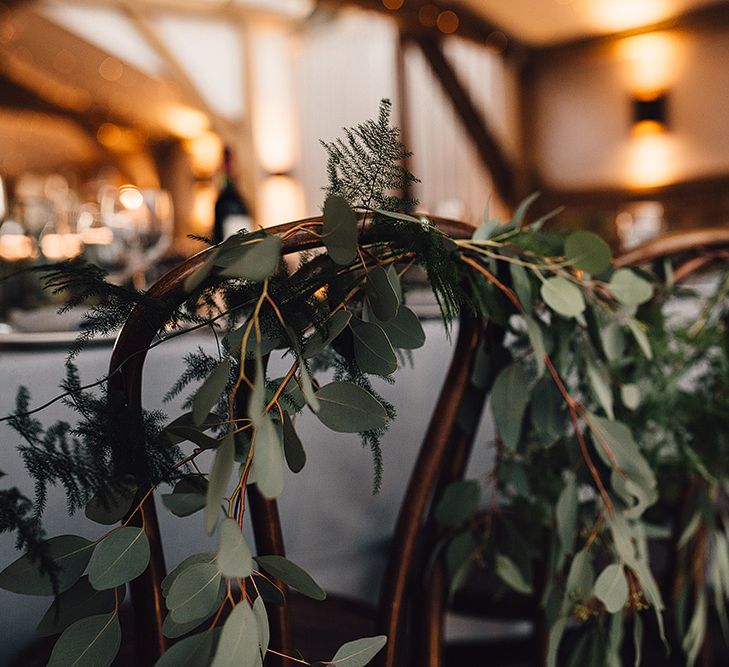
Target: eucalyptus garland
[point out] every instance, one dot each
(572, 382)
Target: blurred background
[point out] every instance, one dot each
(115, 116)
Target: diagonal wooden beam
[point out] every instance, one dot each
(489, 149)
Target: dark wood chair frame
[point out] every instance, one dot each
(412, 603)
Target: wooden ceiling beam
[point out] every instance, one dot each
(471, 25)
(489, 149)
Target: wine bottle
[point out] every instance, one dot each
(231, 211)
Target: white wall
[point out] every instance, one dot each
(583, 112)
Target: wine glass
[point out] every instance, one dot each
(143, 219)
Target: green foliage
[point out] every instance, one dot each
(603, 406)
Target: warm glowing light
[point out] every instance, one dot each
(61, 246)
(393, 4)
(111, 69)
(447, 22)
(185, 122)
(15, 245)
(652, 160)
(651, 61)
(624, 14)
(203, 205)
(281, 199)
(647, 127)
(274, 125)
(428, 15)
(130, 197)
(109, 135)
(3, 200)
(205, 154)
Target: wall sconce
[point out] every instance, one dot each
(650, 115)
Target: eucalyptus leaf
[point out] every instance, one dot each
(580, 578)
(404, 331)
(563, 297)
(522, 208)
(110, 505)
(536, 338)
(629, 288)
(630, 396)
(381, 295)
(193, 592)
(192, 651)
(209, 393)
(258, 261)
(372, 349)
(234, 557)
(79, 601)
(510, 573)
(238, 645)
(359, 652)
(120, 557)
(264, 633)
(600, 384)
(188, 497)
(204, 557)
(347, 408)
(70, 554)
(566, 513)
(319, 340)
(194, 435)
(340, 230)
(613, 340)
(195, 279)
(611, 588)
(268, 459)
(293, 449)
(218, 480)
(509, 399)
(307, 389)
(588, 252)
(292, 575)
(90, 642)
(522, 286)
(460, 500)
(638, 331)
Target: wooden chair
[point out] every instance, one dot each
(442, 458)
(695, 251)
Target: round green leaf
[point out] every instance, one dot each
(347, 408)
(188, 496)
(562, 296)
(193, 592)
(219, 477)
(293, 449)
(381, 295)
(238, 645)
(566, 514)
(110, 505)
(234, 557)
(340, 230)
(611, 588)
(359, 652)
(459, 501)
(192, 651)
(510, 573)
(509, 399)
(173, 629)
(629, 288)
(268, 460)
(258, 260)
(372, 349)
(630, 395)
(120, 557)
(205, 557)
(79, 601)
(292, 575)
(264, 633)
(70, 554)
(588, 252)
(522, 286)
(210, 391)
(404, 331)
(90, 642)
(320, 339)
